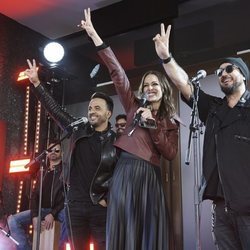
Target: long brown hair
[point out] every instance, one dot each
(167, 108)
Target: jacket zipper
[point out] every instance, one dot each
(102, 147)
(51, 191)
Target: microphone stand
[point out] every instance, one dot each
(194, 136)
(40, 158)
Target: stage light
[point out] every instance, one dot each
(91, 246)
(53, 52)
(17, 166)
(22, 76)
(67, 246)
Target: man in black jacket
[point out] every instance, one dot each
(226, 157)
(120, 124)
(52, 203)
(91, 159)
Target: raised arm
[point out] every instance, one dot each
(177, 75)
(115, 69)
(88, 26)
(60, 116)
(32, 73)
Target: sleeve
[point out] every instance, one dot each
(205, 102)
(165, 138)
(59, 195)
(58, 206)
(119, 78)
(60, 116)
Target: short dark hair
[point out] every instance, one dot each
(121, 116)
(108, 99)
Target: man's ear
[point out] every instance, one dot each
(109, 113)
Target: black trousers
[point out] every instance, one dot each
(230, 231)
(88, 223)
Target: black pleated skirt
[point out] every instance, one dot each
(137, 215)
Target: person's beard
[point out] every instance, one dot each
(98, 122)
(119, 132)
(229, 90)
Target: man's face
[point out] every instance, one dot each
(55, 153)
(120, 126)
(98, 113)
(230, 78)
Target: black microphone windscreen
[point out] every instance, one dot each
(143, 99)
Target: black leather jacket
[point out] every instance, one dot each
(56, 195)
(101, 179)
(226, 158)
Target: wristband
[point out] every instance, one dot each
(167, 60)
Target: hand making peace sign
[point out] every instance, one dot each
(162, 42)
(31, 72)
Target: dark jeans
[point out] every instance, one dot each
(88, 223)
(231, 231)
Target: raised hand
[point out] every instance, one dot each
(31, 72)
(88, 26)
(162, 42)
(87, 23)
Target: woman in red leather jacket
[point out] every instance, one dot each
(137, 214)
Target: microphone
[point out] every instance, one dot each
(83, 120)
(142, 103)
(36, 159)
(200, 75)
(30, 163)
(94, 71)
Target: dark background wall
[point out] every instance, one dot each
(17, 43)
(200, 37)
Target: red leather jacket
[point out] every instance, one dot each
(148, 144)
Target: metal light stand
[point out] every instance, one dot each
(194, 137)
